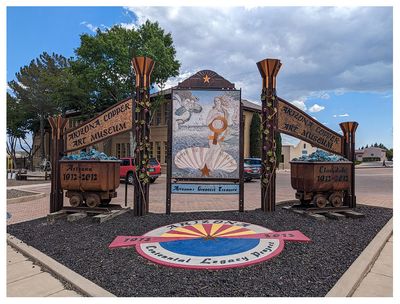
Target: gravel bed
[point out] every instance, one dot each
(302, 269)
(13, 193)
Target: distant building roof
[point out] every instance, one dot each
(249, 105)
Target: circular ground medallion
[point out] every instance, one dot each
(210, 244)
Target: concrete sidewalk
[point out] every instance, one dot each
(379, 281)
(24, 279)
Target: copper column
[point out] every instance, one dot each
(143, 67)
(57, 150)
(349, 133)
(268, 69)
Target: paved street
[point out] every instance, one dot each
(374, 186)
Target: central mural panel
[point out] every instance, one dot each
(206, 134)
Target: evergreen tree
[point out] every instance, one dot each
(255, 136)
(43, 88)
(389, 154)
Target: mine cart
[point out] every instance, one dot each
(91, 181)
(321, 182)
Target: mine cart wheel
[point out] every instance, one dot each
(336, 199)
(304, 202)
(92, 200)
(320, 200)
(75, 199)
(105, 202)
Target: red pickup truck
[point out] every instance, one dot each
(127, 168)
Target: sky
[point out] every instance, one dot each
(337, 61)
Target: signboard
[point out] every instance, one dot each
(204, 189)
(296, 123)
(205, 134)
(209, 244)
(116, 119)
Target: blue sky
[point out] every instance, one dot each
(337, 62)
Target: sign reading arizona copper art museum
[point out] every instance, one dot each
(296, 123)
(114, 120)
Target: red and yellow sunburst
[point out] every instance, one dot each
(209, 231)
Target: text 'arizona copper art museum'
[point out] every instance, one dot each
(205, 156)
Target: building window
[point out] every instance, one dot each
(166, 113)
(151, 149)
(304, 146)
(165, 151)
(128, 148)
(118, 150)
(123, 150)
(282, 158)
(158, 150)
(157, 117)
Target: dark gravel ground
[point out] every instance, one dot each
(302, 269)
(13, 193)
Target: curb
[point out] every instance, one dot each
(25, 198)
(352, 278)
(82, 284)
(374, 167)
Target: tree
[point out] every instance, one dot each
(15, 126)
(104, 61)
(389, 154)
(104, 64)
(45, 87)
(255, 136)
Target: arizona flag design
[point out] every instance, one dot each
(209, 244)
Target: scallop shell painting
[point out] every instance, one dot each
(205, 140)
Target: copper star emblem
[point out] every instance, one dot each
(205, 171)
(206, 79)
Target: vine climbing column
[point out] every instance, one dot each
(268, 69)
(143, 67)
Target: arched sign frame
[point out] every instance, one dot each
(205, 81)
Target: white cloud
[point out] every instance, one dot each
(341, 115)
(324, 95)
(128, 26)
(300, 104)
(323, 49)
(316, 108)
(289, 140)
(90, 26)
(171, 82)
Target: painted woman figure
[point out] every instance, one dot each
(217, 121)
